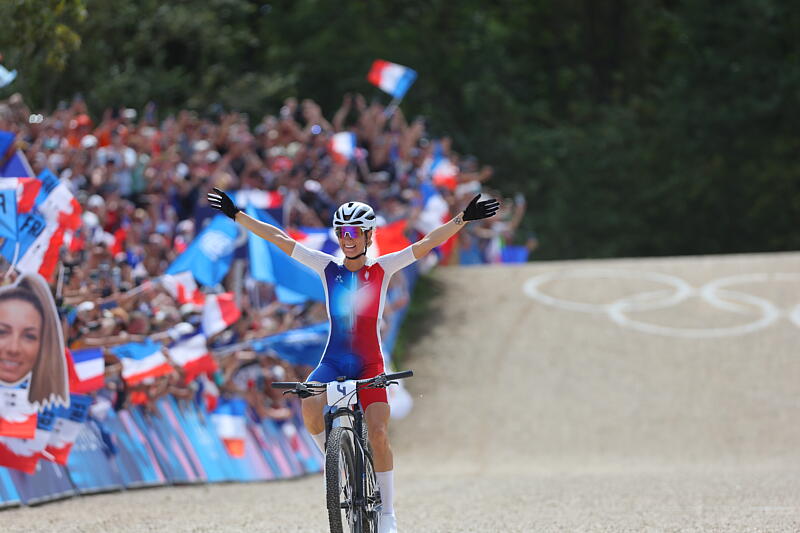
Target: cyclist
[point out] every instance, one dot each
(355, 288)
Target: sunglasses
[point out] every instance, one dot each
(350, 231)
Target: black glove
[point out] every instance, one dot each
(220, 200)
(477, 210)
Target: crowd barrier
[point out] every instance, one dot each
(178, 444)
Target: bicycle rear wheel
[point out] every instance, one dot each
(340, 483)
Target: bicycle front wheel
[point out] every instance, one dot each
(340, 482)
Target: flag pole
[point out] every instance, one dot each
(392, 107)
(14, 262)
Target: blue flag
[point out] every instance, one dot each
(302, 346)
(12, 161)
(6, 76)
(29, 226)
(8, 214)
(6, 140)
(295, 282)
(210, 254)
(49, 182)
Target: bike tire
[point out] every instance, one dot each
(340, 480)
(372, 496)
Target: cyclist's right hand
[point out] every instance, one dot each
(220, 200)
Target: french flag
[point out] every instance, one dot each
(17, 415)
(191, 353)
(219, 312)
(68, 423)
(208, 394)
(86, 369)
(391, 78)
(183, 288)
(141, 360)
(259, 199)
(322, 239)
(27, 190)
(231, 425)
(23, 454)
(342, 147)
(444, 173)
(63, 213)
(56, 202)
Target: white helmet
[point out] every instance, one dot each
(355, 214)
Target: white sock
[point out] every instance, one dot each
(386, 486)
(319, 438)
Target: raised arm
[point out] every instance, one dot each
(475, 210)
(219, 200)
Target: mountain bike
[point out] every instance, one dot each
(351, 488)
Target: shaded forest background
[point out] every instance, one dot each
(634, 127)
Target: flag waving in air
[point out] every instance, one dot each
(13, 163)
(141, 360)
(342, 147)
(210, 254)
(219, 312)
(86, 369)
(8, 214)
(191, 353)
(391, 78)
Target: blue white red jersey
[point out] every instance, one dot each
(355, 302)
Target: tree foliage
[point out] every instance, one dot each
(634, 127)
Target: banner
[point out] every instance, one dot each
(91, 465)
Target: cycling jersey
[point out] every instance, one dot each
(355, 302)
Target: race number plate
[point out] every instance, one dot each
(338, 390)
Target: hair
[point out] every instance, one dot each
(49, 383)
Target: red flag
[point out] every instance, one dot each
(391, 237)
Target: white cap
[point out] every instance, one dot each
(96, 200)
(88, 141)
(85, 306)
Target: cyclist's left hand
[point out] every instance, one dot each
(477, 210)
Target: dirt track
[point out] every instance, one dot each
(535, 416)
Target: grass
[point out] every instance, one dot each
(422, 312)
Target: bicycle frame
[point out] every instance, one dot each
(351, 419)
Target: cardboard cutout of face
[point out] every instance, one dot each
(32, 342)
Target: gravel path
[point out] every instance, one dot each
(533, 417)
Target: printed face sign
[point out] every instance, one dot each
(32, 344)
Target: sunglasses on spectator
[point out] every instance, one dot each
(350, 231)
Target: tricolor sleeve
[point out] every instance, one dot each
(393, 262)
(313, 259)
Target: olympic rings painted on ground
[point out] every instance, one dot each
(716, 293)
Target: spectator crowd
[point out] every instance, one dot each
(141, 181)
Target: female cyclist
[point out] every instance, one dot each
(355, 290)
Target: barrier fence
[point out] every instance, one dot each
(178, 444)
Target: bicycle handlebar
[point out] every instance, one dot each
(294, 384)
(400, 375)
(284, 384)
